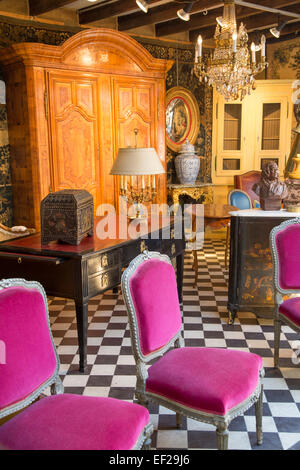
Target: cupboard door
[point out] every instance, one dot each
(271, 132)
(74, 132)
(134, 108)
(231, 149)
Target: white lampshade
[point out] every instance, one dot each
(137, 161)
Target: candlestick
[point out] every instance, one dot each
(253, 53)
(263, 45)
(199, 45)
(234, 38)
(121, 181)
(125, 183)
(131, 181)
(143, 182)
(153, 182)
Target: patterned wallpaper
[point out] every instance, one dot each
(284, 60)
(180, 75)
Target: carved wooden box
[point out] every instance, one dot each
(67, 216)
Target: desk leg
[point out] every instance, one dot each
(82, 331)
(179, 269)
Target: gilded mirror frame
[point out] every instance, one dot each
(182, 117)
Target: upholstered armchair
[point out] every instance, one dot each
(285, 249)
(29, 364)
(245, 182)
(212, 385)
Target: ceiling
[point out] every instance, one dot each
(162, 15)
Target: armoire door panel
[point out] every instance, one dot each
(76, 147)
(86, 97)
(125, 101)
(74, 133)
(63, 98)
(133, 111)
(127, 136)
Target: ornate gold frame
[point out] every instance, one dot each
(191, 102)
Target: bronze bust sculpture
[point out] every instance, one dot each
(270, 189)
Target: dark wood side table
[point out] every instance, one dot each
(84, 271)
(250, 287)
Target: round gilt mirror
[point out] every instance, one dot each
(182, 117)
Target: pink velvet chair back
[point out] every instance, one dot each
(285, 245)
(150, 292)
(28, 358)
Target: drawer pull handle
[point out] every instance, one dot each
(19, 260)
(104, 261)
(105, 281)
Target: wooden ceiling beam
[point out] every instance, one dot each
(37, 7)
(199, 21)
(101, 12)
(162, 13)
(252, 22)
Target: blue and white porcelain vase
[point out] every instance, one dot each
(187, 164)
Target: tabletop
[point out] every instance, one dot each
(125, 231)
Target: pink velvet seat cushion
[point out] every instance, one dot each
(153, 289)
(30, 357)
(212, 380)
(291, 309)
(287, 244)
(75, 422)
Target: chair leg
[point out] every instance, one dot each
(222, 437)
(178, 420)
(258, 414)
(195, 266)
(277, 331)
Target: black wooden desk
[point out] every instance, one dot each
(250, 286)
(84, 271)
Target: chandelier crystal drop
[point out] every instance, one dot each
(232, 66)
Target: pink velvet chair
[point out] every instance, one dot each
(29, 364)
(212, 385)
(285, 249)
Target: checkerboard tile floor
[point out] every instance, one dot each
(111, 366)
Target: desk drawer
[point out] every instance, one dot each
(21, 257)
(104, 262)
(100, 282)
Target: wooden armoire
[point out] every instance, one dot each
(71, 107)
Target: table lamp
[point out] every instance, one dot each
(143, 164)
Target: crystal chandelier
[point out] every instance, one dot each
(231, 67)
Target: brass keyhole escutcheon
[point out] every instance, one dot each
(19, 260)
